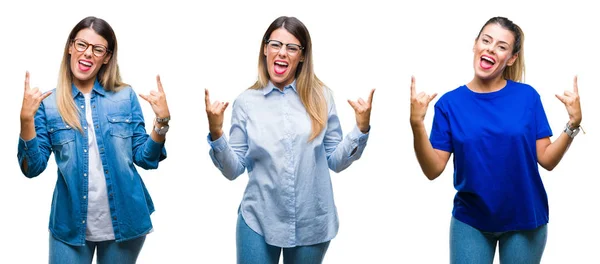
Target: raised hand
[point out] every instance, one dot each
(215, 113)
(158, 100)
(362, 110)
(31, 101)
(571, 101)
(418, 103)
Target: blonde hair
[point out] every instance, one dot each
(108, 75)
(515, 72)
(309, 87)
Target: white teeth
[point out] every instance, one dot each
(281, 63)
(488, 59)
(85, 63)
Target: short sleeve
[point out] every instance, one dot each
(541, 121)
(441, 135)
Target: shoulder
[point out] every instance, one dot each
(121, 93)
(50, 101)
(454, 95)
(523, 89)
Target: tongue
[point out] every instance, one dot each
(280, 69)
(83, 67)
(485, 64)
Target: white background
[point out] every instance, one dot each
(389, 212)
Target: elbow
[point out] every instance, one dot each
(147, 165)
(28, 171)
(232, 175)
(548, 167)
(432, 173)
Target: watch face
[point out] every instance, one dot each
(161, 131)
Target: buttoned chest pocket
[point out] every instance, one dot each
(120, 125)
(60, 133)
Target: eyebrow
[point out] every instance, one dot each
(486, 35)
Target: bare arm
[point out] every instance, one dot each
(550, 153)
(432, 161)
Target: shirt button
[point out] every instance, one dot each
(83, 222)
(110, 195)
(96, 126)
(85, 150)
(114, 218)
(85, 175)
(114, 120)
(84, 197)
(106, 171)
(93, 106)
(127, 120)
(82, 106)
(102, 149)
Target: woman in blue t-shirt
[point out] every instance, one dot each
(498, 131)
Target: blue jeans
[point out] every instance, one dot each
(108, 251)
(252, 249)
(470, 245)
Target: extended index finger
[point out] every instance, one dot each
(206, 98)
(413, 90)
(26, 81)
(159, 84)
(370, 99)
(575, 87)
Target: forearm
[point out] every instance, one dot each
(431, 164)
(554, 152)
(27, 129)
(151, 152)
(348, 150)
(230, 163)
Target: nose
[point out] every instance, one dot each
(88, 51)
(282, 51)
(491, 49)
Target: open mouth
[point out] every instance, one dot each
(487, 62)
(85, 65)
(280, 67)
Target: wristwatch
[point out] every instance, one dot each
(163, 120)
(571, 132)
(162, 130)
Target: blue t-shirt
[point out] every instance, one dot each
(493, 138)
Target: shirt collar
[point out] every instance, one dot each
(97, 88)
(270, 87)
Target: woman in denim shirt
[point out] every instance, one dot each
(93, 124)
(286, 132)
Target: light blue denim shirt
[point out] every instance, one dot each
(289, 197)
(122, 142)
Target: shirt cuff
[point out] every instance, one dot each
(358, 137)
(31, 147)
(154, 149)
(217, 145)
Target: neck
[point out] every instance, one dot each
(486, 86)
(84, 86)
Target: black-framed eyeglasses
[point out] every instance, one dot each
(276, 45)
(97, 49)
